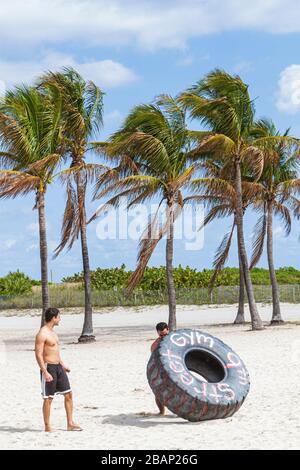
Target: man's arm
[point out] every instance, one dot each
(39, 355)
(155, 345)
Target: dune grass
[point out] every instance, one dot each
(73, 296)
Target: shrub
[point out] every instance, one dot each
(154, 278)
(15, 283)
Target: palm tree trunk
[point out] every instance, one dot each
(169, 267)
(43, 253)
(276, 315)
(255, 318)
(240, 317)
(87, 330)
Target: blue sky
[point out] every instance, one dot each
(135, 51)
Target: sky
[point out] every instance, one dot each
(136, 50)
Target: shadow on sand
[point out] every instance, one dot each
(12, 430)
(143, 420)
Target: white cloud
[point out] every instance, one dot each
(8, 244)
(150, 24)
(106, 73)
(288, 95)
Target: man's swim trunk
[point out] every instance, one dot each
(60, 383)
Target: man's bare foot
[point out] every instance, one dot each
(48, 428)
(74, 427)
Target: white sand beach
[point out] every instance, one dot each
(113, 401)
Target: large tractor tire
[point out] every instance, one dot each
(197, 376)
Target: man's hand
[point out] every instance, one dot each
(48, 377)
(66, 368)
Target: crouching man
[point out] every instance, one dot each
(162, 330)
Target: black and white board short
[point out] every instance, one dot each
(60, 383)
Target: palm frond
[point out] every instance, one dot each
(141, 145)
(282, 211)
(16, 183)
(219, 145)
(221, 256)
(213, 186)
(294, 203)
(93, 107)
(221, 102)
(71, 222)
(259, 238)
(182, 179)
(174, 112)
(253, 157)
(252, 191)
(221, 210)
(149, 240)
(44, 165)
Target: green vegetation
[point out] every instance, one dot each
(108, 284)
(16, 284)
(73, 297)
(16, 289)
(185, 278)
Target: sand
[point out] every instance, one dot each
(113, 401)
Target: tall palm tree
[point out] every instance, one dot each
(31, 151)
(82, 107)
(151, 152)
(276, 194)
(217, 192)
(222, 103)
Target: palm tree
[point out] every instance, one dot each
(276, 194)
(216, 191)
(151, 152)
(222, 103)
(30, 154)
(82, 106)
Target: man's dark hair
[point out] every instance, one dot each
(50, 313)
(161, 326)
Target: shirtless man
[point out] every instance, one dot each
(53, 371)
(162, 331)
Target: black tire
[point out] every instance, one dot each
(218, 393)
